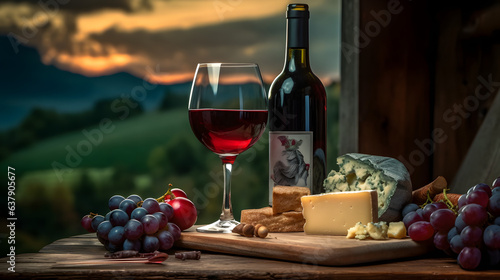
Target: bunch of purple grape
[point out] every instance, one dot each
(471, 233)
(129, 227)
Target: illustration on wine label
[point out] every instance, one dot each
(291, 158)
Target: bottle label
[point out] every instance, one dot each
(290, 159)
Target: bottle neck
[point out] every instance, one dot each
(297, 55)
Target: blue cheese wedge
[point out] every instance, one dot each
(388, 176)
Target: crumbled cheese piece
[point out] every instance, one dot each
(377, 231)
(396, 230)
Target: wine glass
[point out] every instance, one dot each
(228, 114)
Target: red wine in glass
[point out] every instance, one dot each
(228, 111)
(228, 132)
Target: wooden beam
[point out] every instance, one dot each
(348, 111)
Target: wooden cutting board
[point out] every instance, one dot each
(309, 249)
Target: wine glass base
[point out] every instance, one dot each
(219, 227)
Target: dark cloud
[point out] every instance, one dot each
(182, 49)
(261, 41)
(177, 51)
(86, 6)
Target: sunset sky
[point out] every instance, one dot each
(162, 40)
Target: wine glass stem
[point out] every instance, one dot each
(227, 209)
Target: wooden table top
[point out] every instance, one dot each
(47, 264)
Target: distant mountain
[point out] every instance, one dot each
(25, 83)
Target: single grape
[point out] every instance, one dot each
(421, 231)
(112, 247)
(478, 197)
(409, 208)
(166, 239)
(118, 217)
(459, 223)
(462, 201)
(412, 218)
(167, 209)
(151, 205)
(430, 208)
(442, 219)
(150, 223)
(472, 236)
(135, 198)
(456, 244)
(114, 201)
(132, 245)
(491, 236)
(441, 240)
(491, 256)
(138, 213)
(102, 240)
(453, 231)
(127, 205)
(494, 205)
(495, 191)
(107, 216)
(103, 230)
(116, 235)
(150, 244)
(474, 214)
(162, 219)
(496, 183)
(482, 187)
(469, 258)
(174, 230)
(133, 229)
(96, 221)
(86, 222)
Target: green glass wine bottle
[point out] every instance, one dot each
(297, 113)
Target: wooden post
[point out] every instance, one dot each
(385, 105)
(348, 111)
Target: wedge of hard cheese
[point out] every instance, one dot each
(334, 213)
(287, 198)
(284, 222)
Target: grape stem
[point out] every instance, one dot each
(428, 201)
(446, 201)
(168, 193)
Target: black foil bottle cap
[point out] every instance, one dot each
(297, 11)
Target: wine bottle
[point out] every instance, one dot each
(297, 113)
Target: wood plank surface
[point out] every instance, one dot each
(311, 249)
(47, 265)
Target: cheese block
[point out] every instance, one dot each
(285, 222)
(388, 176)
(287, 198)
(335, 213)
